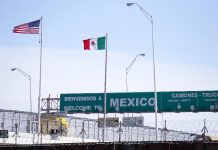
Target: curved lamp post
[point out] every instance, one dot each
(29, 78)
(149, 17)
(127, 71)
(129, 68)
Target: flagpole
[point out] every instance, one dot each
(105, 92)
(40, 77)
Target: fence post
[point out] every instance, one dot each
(16, 133)
(120, 132)
(204, 130)
(88, 129)
(83, 132)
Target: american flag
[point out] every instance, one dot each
(28, 28)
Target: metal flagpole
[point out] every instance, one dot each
(105, 93)
(40, 76)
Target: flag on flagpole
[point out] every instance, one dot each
(28, 28)
(95, 43)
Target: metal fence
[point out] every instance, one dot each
(22, 127)
(86, 129)
(18, 120)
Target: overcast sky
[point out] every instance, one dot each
(185, 40)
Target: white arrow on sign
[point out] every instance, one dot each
(99, 98)
(179, 106)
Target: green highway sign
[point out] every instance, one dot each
(3, 133)
(137, 102)
(116, 102)
(82, 103)
(178, 101)
(208, 101)
(188, 101)
(130, 102)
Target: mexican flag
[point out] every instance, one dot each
(95, 43)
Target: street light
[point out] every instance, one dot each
(29, 78)
(129, 68)
(127, 71)
(149, 17)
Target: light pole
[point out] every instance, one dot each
(129, 68)
(149, 17)
(29, 78)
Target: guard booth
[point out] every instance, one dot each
(53, 124)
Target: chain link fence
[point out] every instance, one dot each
(22, 127)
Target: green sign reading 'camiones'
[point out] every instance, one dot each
(138, 102)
